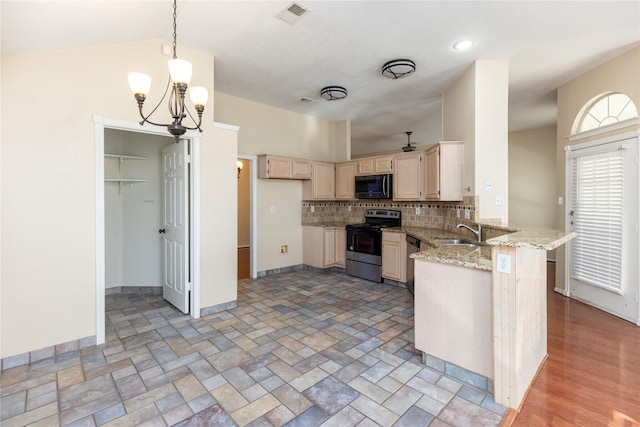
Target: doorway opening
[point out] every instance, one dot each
(142, 260)
(247, 198)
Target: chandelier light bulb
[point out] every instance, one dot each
(139, 83)
(199, 95)
(180, 70)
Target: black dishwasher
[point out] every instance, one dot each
(413, 246)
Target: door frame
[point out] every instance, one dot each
(253, 202)
(567, 190)
(100, 124)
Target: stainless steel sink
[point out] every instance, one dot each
(457, 242)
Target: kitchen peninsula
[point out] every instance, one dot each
(485, 316)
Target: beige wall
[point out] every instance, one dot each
(532, 177)
(48, 191)
(269, 130)
(622, 74)
(459, 122)
(475, 110)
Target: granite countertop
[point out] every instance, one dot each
(328, 224)
(537, 238)
(472, 257)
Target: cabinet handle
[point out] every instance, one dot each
(162, 230)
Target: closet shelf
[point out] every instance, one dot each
(124, 180)
(123, 157)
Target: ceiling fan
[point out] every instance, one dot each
(408, 147)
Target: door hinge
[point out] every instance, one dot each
(188, 286)
(188, 158)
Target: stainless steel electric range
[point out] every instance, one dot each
(364, 243)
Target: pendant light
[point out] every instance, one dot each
(180, 74)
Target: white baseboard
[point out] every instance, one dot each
(561, 291)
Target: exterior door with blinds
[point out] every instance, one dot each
(603, 209)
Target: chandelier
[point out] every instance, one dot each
(180, 74)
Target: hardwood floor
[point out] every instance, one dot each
(244, 256)
(592, 374)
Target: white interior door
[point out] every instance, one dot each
(175, 227)
(603, 212)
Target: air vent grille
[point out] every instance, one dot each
(292, 13)
(296, 9)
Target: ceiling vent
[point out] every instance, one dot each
(292, 13)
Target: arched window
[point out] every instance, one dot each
(606, 110)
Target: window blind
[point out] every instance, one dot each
(598, 204)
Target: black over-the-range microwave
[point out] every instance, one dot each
(374, 186)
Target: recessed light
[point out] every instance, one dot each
(463, 44)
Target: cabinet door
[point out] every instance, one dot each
(408, 179)
(301, 169)
(341, 247)
(383, 164)
(394, 256)
(329, 247)
(345, 181)
(433, 173)
(451, 161)
(366, 166)
(274, 167)
(323, 180)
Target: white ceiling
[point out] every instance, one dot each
(345, 43)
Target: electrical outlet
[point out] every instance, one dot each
(417, 211)
(458, 212)
(499, 201)
(284, 249)
(467, 214)
(313, 208)
(488, 186)
(349, 208)
(503, 263)
(273, 209)
(560, 200)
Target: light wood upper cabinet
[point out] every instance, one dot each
(394, 256)
(345, 181)
(444, 162)
(375, 165)
(408, 179)
(321, 186)
(283, 167)
(301, 168)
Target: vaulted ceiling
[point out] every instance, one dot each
(265, 59)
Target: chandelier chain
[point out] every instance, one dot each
(175, 15)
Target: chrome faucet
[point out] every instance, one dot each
(478, 233)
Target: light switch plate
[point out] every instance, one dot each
(499, 201)
(503, 264)
(467, 214)
(417, 211)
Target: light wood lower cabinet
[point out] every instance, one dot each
(323, 247)
(394, 256)
(453, 315)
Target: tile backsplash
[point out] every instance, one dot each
(432, 214)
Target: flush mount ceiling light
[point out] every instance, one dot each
(398, 68)
(180, 74)
(463, 44)
(333, 93)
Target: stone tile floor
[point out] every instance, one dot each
(301, 349)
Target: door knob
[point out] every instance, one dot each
(162, 230)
